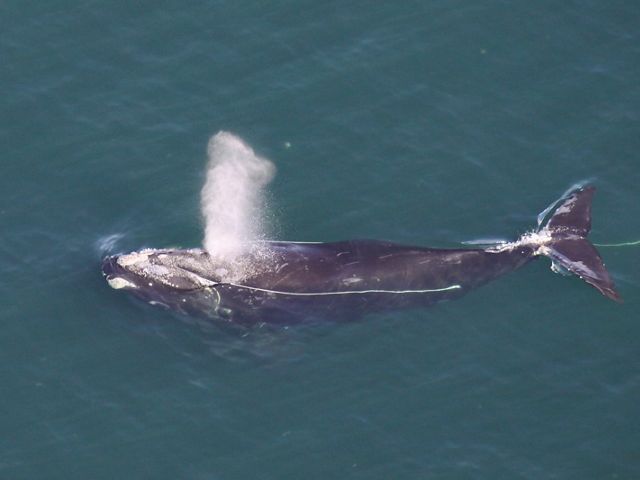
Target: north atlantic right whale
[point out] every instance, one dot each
(290, 282)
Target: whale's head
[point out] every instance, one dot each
(165, 277)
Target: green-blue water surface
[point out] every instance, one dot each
(423, 122)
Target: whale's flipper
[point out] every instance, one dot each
(568, 247)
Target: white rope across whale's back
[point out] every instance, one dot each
(347, 292)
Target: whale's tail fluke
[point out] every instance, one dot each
(566, 243)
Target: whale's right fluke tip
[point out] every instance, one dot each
(580, 257)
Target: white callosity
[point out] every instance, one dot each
(186, 270)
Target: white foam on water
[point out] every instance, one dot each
(108, 243)
(233, 199)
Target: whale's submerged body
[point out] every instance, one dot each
(288, 282)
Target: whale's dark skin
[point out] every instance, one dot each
(370, 276)
(289, 282)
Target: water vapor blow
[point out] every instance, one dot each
(233, 197)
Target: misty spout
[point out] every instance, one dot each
(233, 197)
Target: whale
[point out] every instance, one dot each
(293, 282)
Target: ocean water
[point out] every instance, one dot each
(427, 123)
